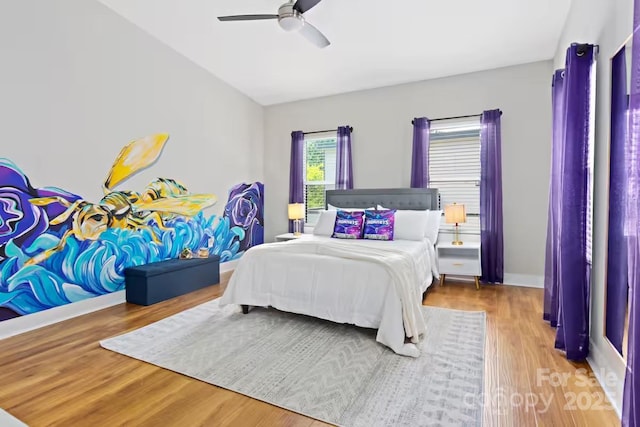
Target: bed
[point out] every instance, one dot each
(368, 283)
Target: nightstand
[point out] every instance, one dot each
(288, 236)
(460, 260)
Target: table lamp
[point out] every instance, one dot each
(454, 214)
(296, 213)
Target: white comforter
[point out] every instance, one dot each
(367, 283)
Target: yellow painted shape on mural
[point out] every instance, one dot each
(186, 205)
(133, 157)
(44, 201)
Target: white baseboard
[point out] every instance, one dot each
(601, 369)
(22, 324)
(29, 322)
(228, 266)
(523, 280)
(526, 280)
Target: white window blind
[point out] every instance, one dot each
(454, 169)
(319, 173)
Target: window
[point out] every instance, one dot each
(454, 168)
(319, 173)
(590, 161)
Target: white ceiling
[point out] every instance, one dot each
(374, 42)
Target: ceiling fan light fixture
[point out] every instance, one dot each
(291, 23)
(289, 18)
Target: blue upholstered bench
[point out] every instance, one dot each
(151, 283)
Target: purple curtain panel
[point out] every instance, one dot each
(492, 249)
(573, 259)
(344, 165)
(631, 397)
(617, 283)
(420, 153)
(296, 168)
(553, 227)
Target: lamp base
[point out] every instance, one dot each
(297, 226)
(456, 240)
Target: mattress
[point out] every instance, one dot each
(340, 290)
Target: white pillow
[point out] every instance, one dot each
(416, 225)
(410, 225)
(325, 224)
(433, 226)
(335, 208)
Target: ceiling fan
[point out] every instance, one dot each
(290, 19)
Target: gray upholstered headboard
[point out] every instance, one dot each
(391, 198)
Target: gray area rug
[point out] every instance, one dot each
(8, 420)
(332, 372)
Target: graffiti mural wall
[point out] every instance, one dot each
(57, 248)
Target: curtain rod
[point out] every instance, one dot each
(451, 118)
(325, 131)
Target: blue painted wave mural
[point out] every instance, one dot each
(56, 248)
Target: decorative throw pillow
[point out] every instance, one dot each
(378, 225)
(348, 225)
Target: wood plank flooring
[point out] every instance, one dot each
(60, 376)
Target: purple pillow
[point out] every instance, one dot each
(348, 225)
(378, 225)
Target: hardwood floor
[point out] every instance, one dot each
(527, 381)
(60, 376)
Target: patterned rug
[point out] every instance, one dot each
(332, 372)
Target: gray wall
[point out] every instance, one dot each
(382, 145)
(606, 24)
(78, 81)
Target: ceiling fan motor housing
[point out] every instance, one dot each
(289, 18)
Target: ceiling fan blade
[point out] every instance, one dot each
(303, 5)
(314, 35)
(246, 17)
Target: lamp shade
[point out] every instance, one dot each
(454, 214)
(296, 210)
